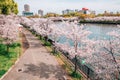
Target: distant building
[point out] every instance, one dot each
(40, 12)
(67, 11)
(85, 10)
(117, 12)
(76, 10)
(106, 12)
(26, 11)
(26, 8)
(111, 13)
(82, 11)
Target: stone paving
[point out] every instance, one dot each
(35, 64)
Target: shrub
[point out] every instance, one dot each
(76, 75)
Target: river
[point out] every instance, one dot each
(99, 31)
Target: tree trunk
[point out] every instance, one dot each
(7, 48)
(88, 72)
(40, 37)
(46, 38)
(75, 64)
(54, 50)
(114, 59)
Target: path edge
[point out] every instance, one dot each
(10, 68)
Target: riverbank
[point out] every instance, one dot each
(102, 20)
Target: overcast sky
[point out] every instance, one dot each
(58, 5)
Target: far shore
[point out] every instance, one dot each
(100, 22)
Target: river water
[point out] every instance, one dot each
(99, 31)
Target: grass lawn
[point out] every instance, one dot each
(7, 59)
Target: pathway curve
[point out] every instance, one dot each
(36, 63)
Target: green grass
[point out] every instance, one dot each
(76, 75)
(8, 59)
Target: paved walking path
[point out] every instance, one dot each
(35, 64)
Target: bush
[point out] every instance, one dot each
(7, 59)
(2, 72)
(3, 49)
(47, 43)
(76, 75)
(14, 45)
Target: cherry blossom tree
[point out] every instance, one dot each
(9, 30)
(79, 36)
(105, 60)
(102, 55)
(113, 48)
(1, 27)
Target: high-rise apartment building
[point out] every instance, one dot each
(26, 11)
(40, 12)
(26, 8)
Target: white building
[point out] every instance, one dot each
(67, 11)
(26, 8)
(40, 12)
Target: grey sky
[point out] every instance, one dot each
(58, 5)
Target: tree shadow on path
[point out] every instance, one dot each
(44, 71)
